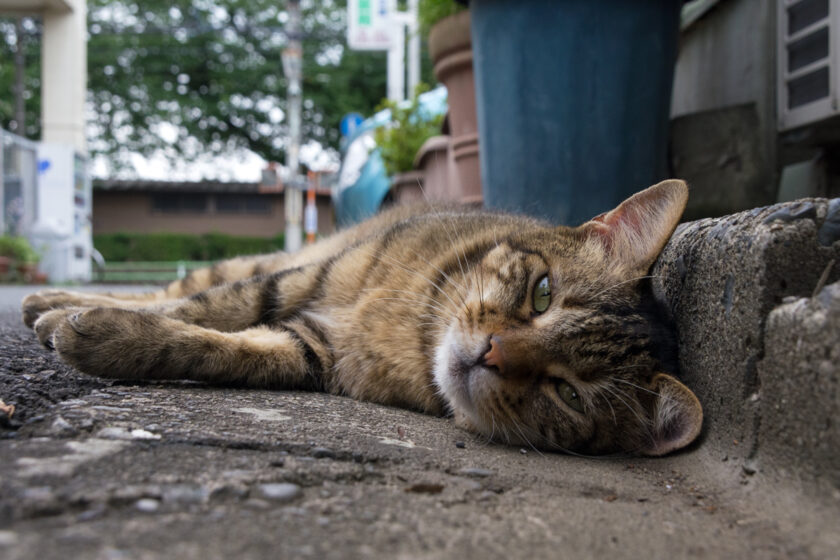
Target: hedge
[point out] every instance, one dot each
(128, 247)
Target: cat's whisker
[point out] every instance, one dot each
(457, 247)
(502, 410)
(409, 292)
(458, 287)
(412, 271)
(606, 400)
(642, 422)
(434, 209)
(512, 419)
(631, 366)
(492, 428)
(480, 275)
(639, 387)
(617, 284)
(550, 444)
(528, 441)
(427, 303)
(433, 316)
(416, 296)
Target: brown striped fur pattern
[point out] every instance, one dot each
(431, 309)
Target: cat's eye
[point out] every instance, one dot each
(569, 395)
(542, 294)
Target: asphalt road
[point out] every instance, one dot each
(98, 469)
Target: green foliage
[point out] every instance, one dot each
(409, 128)
(131, 247)
(7, 246)
(18, 248)
(206, 73)
(31, 46)
(429, 12)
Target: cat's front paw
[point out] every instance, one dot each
(105, 341)
(37, 304)
(47, 325)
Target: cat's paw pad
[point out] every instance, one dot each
(37, 304)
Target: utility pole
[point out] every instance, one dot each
(396, 57)
(413, 48)
(292, 62)
(20, 64)
(403, 22)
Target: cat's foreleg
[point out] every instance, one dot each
(126, 344)
(264, 300)
(199, 280)
(35, 305)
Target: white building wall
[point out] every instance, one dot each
(64, 75)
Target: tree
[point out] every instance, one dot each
(29, 41)
(205, 76)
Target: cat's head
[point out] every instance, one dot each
(559, 344)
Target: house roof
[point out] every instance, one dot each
(144, 185)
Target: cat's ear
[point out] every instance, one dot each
(676, 416)
(634, 233)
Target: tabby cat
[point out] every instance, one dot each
(524, 332)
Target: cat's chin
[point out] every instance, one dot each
(458, 379)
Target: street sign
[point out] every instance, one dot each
(369, 25)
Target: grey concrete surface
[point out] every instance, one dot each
(800, 393)
(721, 279)
(100, 469)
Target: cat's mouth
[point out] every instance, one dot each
(459, 373)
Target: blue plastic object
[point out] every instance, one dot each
(365, 197)
(349, 123)
(573, 100)
(363, 182)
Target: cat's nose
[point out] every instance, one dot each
(493, 357)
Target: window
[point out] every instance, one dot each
(179, 203)
(243, 204)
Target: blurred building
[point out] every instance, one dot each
(196, 207)
(755, 107)
(63, 66)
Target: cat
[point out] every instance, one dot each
(524, 332)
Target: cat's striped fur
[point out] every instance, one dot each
(428, 309)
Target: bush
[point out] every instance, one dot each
(429, 12)
(18, 248)
(131, 247)
(400, 140)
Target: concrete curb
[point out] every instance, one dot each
(753, 368)
(800, 373)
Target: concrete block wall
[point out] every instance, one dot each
(756, 301)
(800, 404)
